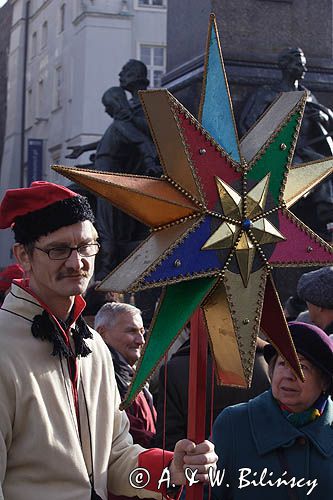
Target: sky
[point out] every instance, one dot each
(2, 2)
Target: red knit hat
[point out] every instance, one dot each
(40, 194)
(8, 274)
(40, 209)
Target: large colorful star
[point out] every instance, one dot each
(220, 222)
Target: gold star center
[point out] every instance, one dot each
(239, 232)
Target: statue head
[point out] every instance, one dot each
(115, 100)
(133, 76)
(292, 62)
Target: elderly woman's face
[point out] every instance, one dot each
(290, 391)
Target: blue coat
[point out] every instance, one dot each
(247, 437)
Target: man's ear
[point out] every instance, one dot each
(22, 256)
(100, 330)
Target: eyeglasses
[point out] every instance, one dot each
(62, 253)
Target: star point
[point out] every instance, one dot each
(256, 198)
(245, 253)
(231, 201)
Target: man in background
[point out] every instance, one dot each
(316, 289)
(120, 326)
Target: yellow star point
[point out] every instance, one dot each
(224, 237)
(256, 198)
(245, 252)
(265, 232)
(231, 201)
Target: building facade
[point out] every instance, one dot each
(65, 54)
(5, 24)
(252, 33)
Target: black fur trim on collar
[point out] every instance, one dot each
(81, 332)
(45, 328)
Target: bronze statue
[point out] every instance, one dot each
(315, 138)
(126, 147)
(132, 77)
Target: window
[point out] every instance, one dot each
(44, 34)
(62, 18)
(40, 100)
(151, 3)
(154, 59)
(34, 44)
(30, 108)
(281, 1)
(70, 78)
(58, 88)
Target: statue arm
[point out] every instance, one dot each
(148, 161)
(141, 123)
(316, 111)
(79, 150)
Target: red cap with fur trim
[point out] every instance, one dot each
(41, 209)
(40, 194)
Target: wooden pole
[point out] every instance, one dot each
(197, 391)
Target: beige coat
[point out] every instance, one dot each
(40, 452)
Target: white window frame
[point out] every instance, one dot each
(58, 87)
(152, 67)
(151, 6)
